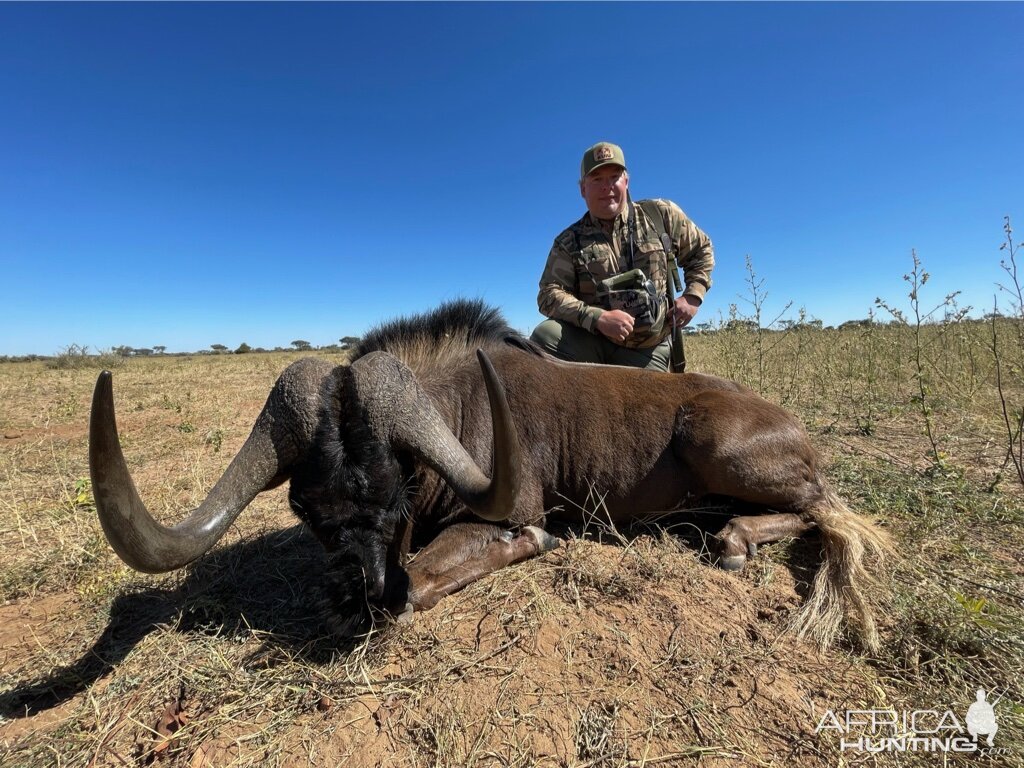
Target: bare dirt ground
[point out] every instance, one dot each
(622, 648)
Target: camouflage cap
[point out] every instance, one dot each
(601, 154)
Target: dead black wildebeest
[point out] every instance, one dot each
(385, 456)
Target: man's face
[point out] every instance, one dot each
(604, 189)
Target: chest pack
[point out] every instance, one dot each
(633, 291)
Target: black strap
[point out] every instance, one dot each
(631, 230)
(658, 220)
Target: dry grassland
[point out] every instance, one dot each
(623, 648)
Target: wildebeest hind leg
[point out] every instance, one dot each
(466, 552)
(741, 536)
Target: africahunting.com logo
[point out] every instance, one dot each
(917, 730)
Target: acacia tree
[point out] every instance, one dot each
(219, 348)
(302, 345)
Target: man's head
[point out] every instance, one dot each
(604, 180)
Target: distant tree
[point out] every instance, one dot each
(122, 351)
(219, 348)
(243, 348)
(347, 342)
(159, 348)
(143, 352)
(301, 345)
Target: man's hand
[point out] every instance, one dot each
(615, 324)
(685, 309)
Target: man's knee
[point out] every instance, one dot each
(659, 358)
(548, 335)
(566, 341)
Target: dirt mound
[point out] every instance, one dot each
(585, 658)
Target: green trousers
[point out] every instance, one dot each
(570, 342)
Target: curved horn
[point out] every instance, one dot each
(281, 435)
(400, 411)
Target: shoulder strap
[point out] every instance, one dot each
(658, 220)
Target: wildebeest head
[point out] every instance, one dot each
(383, 417)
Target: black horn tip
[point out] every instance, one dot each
(104, 382)
(103, 393)
(485, 361)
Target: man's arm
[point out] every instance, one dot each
(556, 298)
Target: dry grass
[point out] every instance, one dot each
(623, 648)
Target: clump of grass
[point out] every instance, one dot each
(595, 734)
(585, 575)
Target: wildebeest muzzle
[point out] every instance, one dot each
(364, 582)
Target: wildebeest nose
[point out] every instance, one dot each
(375, 587)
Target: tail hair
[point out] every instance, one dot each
(851, 542)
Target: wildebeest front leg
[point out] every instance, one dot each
(465, 552)
(741, 536)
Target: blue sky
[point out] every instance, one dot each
(191, 174)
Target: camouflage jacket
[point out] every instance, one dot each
(584, 254)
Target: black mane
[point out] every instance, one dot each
(469, 319)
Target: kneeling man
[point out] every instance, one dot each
(605, 285)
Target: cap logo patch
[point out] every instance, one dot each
(603, 153)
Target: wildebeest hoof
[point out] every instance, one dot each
(545, 541)
(732, 562)
(405, 617)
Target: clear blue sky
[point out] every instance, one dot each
(190, 174)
